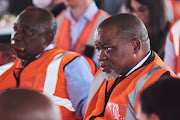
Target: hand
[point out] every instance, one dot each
(8, 51)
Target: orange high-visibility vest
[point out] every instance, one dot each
(63, 40)
(46, 75)
(174, 34)
(122, 103)
(176, 8)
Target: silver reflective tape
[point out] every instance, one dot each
(51, 80)
(62, 102)
(95, 84)
(100, 19)
(130, 114)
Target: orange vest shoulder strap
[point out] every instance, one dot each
(63, 27)
(71, 55)
(60, 16)
(102, 15)
(95, 84)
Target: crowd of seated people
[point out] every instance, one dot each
(90, 60)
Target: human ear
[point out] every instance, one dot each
(48, 38)
(136, 43)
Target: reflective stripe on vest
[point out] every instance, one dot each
(59, 21)
(100, 19)
(175, 31)
(130, 114)
(51, 80)
(95, 84)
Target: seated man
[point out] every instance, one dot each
(128, 66)
(160, 101)
(64, 76)
(22, 104)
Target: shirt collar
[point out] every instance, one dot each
(50, 46)
(139, 64)
(88, 14)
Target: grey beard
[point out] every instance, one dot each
(110, 76)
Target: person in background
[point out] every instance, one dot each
(176, 8)
(62, 75)
(23, 104)
(160, 101)
(76, 27)
(110, 6)
(55, 6)
(154, 16)
(127, 67)
(172, 48)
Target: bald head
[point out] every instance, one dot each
(21, 104)
(40, 17)
(128, 27)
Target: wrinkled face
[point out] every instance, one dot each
(140, 11)
(29, 35)
(114, 53)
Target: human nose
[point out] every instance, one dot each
(101, 55)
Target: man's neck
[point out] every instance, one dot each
(78, 11)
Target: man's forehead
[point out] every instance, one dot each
(104, 41)
(106, 36)
(30, 16)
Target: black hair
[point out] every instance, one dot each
(44, 16)
(162, 98)
(158, 22)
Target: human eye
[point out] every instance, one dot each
(15, 27)
(97, 48)
(108, 49)
(142, 9)
(27, 31)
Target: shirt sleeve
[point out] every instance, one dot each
(170, 58)
(78, 78)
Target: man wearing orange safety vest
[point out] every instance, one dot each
(76, 27)
(172, 48)
(63, 76)
(127, 67)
